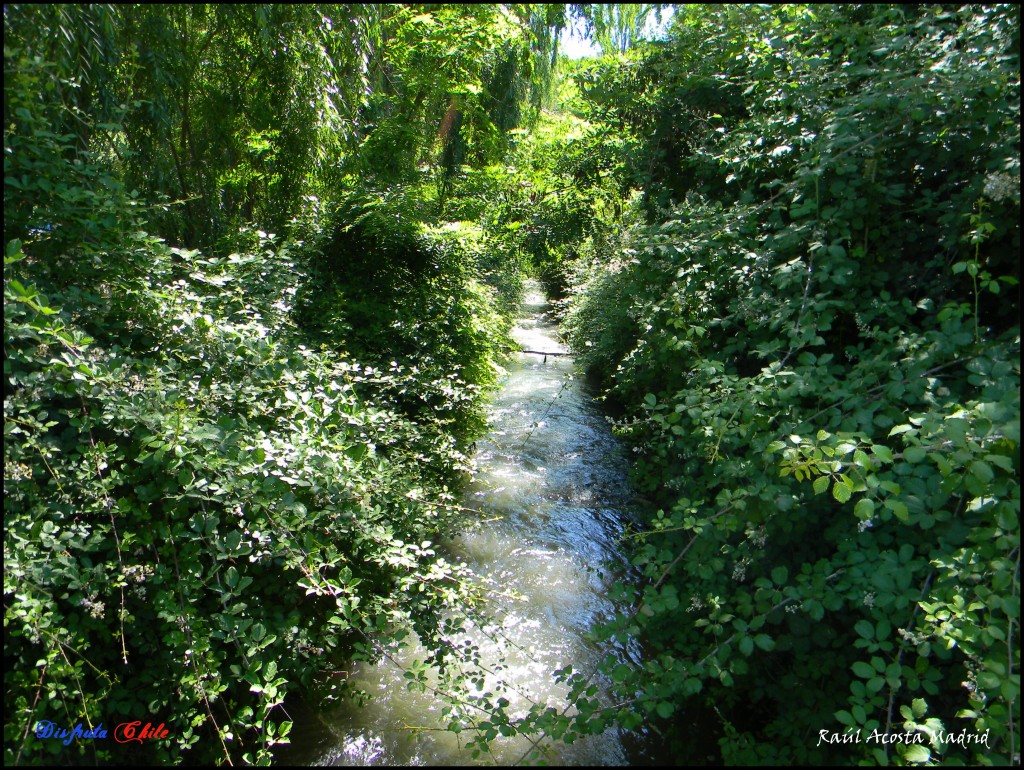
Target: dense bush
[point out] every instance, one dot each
(817, 351)
(383, 288)
(167, 509)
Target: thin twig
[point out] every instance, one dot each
(803, 306)
(192, 662)
(899, 656)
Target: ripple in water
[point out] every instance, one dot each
(552, 489)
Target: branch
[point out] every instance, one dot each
(899, 656)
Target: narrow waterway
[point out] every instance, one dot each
(553, 494)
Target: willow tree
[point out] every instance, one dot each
(617, 27)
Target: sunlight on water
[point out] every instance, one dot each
(551, 488)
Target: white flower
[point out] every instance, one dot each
(1001, 186)
(739, 572)
(96, 609)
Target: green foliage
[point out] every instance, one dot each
(384, 290)
(59, 196)
(445, 84)
(232, 107)
(169, 95)
(223, 470)
(617, 27)
(789, 242)
(193, 530)
(821, 389)
(561, 186)
(224, 116)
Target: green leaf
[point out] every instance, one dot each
(844, 717)
(815, 609)
(890, 486)
(917, 753)
(1001, 461)
(899, 510)
(882, 452)
(919, 707)
(820, 484)
(357, 451)
(981, 471)
(665, 709)
(893, 674)
(914, 454)
(841, 492)
(865, 628)
(865, 508)
(779, 575)
(863, 670)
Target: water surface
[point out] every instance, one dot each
(553, 494)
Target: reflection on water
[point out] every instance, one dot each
(552, 487)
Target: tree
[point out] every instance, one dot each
(617, 27)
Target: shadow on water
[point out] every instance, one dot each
(552, 487)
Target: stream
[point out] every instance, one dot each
(552, 487)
